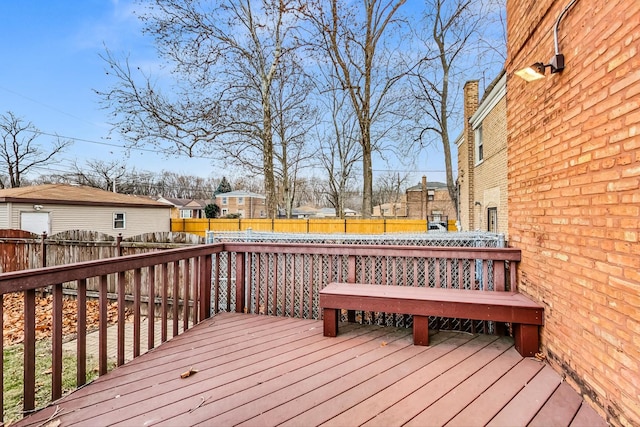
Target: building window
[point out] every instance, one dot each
(479, 145)
(224, 200)
(119, 220)
(241, 200)
(492, 220)
(431, 195)
(185, 213)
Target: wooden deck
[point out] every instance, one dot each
(265, 370)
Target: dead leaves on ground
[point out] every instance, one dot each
(188, 373)
(13, 316)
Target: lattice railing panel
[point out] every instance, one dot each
(288, 283)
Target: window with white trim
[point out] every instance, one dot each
(479, 144)
(186, 213)
(119, 220)
(241, 200)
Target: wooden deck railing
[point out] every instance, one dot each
(190, 284)
(284, 279)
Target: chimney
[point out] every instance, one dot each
(424, 198)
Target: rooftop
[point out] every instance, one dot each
(74, 195)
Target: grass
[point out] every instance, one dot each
(13, 376)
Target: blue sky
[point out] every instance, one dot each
(51, 66)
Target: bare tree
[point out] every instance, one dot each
(100, 174)
(353, 41)
(226, 55)
(339, 149)
(388, 189)
(20, 152)
(292, 120)
(453, 32)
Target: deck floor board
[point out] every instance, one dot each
(264, 370)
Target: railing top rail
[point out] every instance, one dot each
(22, 280)
(17, 281)
(508, 254)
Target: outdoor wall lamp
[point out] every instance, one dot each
(556, 63)
(37, 207)
(536, 71)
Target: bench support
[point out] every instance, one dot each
(420, 330)
(525, 339)
(330, 319)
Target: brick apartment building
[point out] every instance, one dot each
(243, 203)
(574, 190)
(482, 159)
(426, 200)
(430, 200)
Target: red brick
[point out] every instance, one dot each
(580, 149)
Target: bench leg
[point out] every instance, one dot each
(420, 330)
(330, 319)
(525, 338)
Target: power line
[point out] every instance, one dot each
(107, 144)
(46, 105)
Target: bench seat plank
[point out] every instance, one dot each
(524, 314)
(467, 304)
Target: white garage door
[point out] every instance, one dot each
(35, 222)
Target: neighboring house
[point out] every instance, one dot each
(54, 208)
(430, 200)
(574, 190)
(304, 212)
(427, 200)
(312, 212)
(186, 208)
(482, 159)
(391, 210)
(244, 203)
(330, 212)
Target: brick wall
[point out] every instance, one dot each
(490, 176)
(574, 189)
(251, 207)
(441, 203)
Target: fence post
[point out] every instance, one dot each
(351, 269)
(240, 282)
(119, 244)
(43, 250)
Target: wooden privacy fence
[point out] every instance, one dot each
(200, 226)
(190, 284)
(22, 250)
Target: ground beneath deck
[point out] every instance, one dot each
(261, 370)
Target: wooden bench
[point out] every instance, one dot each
(524, 314)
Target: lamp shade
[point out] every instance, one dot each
(534, 72)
